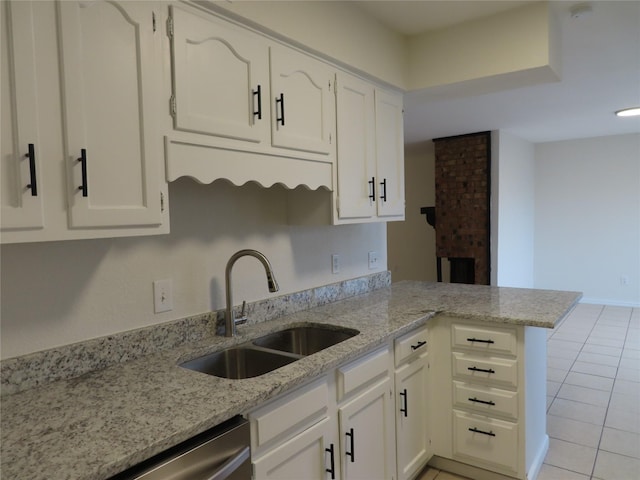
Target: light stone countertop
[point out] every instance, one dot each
(98, 424)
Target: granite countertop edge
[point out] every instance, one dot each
(150, 404)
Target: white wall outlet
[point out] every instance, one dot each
(335, 263)
(624, 280)
(162, 296)
(373, 260)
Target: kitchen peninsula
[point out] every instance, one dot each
(100, 423)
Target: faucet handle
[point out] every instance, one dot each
(243, 314)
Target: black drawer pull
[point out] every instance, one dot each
(351, 454)
(474, 399)
(475, 430)
(418, 345)
(372, 189)
(485, 370)
(383, 197)
(31, 155)
(258, 93)
(405, 401)
(84, 188)
(479, 340)
(332, 469)
(280, 101)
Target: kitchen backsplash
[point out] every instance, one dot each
(68, 361)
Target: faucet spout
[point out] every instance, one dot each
(272, 284)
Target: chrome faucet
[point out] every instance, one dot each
(229, 316)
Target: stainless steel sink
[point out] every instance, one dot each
(239, 362)
(270, 352)
(305, 340)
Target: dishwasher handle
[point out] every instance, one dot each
(231, 465)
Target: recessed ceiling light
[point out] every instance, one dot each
(629, 112)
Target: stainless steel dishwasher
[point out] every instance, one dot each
(222, 453)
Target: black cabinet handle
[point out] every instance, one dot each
(485, 402)
(372, 188)
(475, 430)
(83, 162)
(332, 469)
(384, 190)
(405, 401)
(280, 101)
(351, 454)
(418, 345)
(478, 340)
(257, 93)
(485, 370)
(33, 182)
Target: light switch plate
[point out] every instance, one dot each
(162, 296)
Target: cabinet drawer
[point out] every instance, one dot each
(412, 343)
(485, 440)
(289, 414)
(490, 401)
(500, 371)
(362, 372)
(485, 339)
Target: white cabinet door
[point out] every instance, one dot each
(309, 455)
(390, 154)
(111, 71)
(21, 183)
(356, 148)
(302, 102)
(412, 437)
(367, 435)
(220, 78)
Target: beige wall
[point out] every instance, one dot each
(412, 244)
(56, 293)
(336, 29)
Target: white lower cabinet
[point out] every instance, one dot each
(337, 427)
(308, 455)
(366, 434)
(413, 445)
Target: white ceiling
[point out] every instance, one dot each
(600, 74)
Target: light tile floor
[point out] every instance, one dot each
(593, 397)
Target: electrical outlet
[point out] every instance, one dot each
(335, 263)
(162, 296)
(373, 260)
(624, 280)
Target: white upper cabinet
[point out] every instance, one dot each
(302, 95)
(111, 65)
(81, 150)
(370, 158)
(390, 154)
(220, 82)
(356, 148)
(20, 167)
(246, 107)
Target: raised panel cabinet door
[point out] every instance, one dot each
(20, 156)
(390, 154)
(111, 71)
(220, 78)
(367, 435)
(412, 439)
(302, 102)
(356, 162)
(308, 456)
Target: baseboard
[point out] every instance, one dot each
(465, 470)
(612, 303)
(538, 460)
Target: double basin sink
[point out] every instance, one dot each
(269, 352)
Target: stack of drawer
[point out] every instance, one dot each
(486, 396)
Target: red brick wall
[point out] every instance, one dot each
(463, 172)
